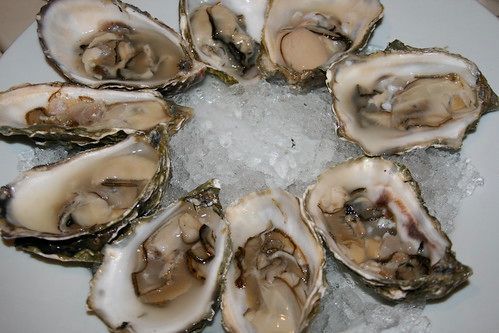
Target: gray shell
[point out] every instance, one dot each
(446, 273)
(388, 141)
(365, 14)
(16, 102)
(60, 44)
(110, 297)
(84, 246)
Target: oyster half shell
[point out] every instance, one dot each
(370, 214)
(164, 275)
(69, 113)
(404, 98)
(275, 280)
(301, 39)
(225, 35)
(113, 44)
(69, 210)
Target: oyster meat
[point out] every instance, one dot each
(302, 38)
(404, 98)
(57, 210)
(81, 115)
(275, 281)
(369, 212)
(113, 44)
(165, 275)
(225, 35)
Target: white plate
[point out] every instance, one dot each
(40, 297)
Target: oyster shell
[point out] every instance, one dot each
(225, 35)
(62, 112)
(404, 98)
(370, 214)
(69, 210)
(275, 280)
(114, 44)
(165, 275)
(302, 38)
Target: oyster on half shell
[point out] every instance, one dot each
(68, 210)
(403, 98)
(164, 275)
(113, 44)
(369, 212)
(302, 38)
(62, 112)
(275, 280)
(225, 35)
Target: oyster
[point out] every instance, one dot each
(164, 276)
(70, 209)
(302, 38)
(113, 44)
(275, 281)
(81, 115)
(404, 98)
(370, 214)
(225, 35)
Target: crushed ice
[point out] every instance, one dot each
(350, 307)
(31, 157)
(267, 135)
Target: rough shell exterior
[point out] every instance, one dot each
(84, 247)
(194, 72)
(447, 274)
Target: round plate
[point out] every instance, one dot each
(38, 297)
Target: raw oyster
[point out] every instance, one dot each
(113, 44)
(302, 38)
(225, 35)
(165, 275)
(370, 214)
(69, 210)
(275, 281)
(404, 98)
(62, 112)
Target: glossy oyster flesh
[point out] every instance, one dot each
(404, 98)
(370, 214)
(275, 280)
(164, 276)
(59, 210)
(83, 115)
(113, 44)
(302, 38)
(225, 35)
